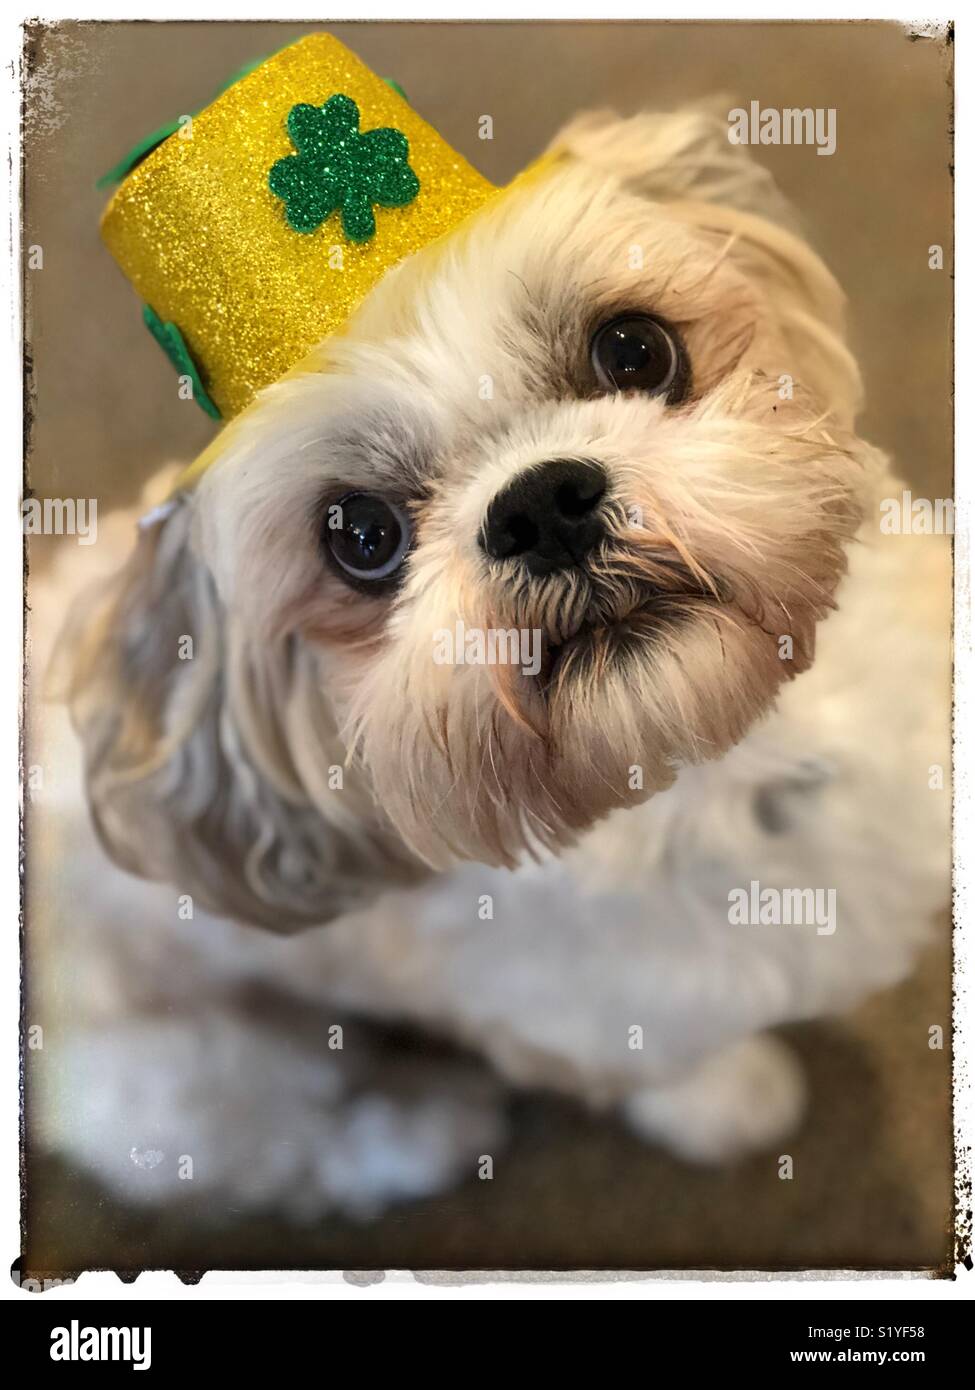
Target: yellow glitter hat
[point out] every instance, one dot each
(255, 228)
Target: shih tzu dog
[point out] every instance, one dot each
(614, 412)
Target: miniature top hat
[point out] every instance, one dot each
(252, 230)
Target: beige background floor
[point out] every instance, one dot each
(873, 1182)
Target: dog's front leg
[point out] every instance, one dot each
(746, 1097)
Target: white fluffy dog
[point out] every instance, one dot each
(615, 412)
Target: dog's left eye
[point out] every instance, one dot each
(369, 538)
(637, 353)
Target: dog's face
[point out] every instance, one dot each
(558, 514)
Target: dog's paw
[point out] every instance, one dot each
(745, 1098)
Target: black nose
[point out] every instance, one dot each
(547, 517)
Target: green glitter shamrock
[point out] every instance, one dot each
(337, 167)
(173, 344)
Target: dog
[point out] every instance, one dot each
(615, 411)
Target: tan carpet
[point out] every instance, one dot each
(872, 1183)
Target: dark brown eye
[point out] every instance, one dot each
(369, 538)
(637, 353)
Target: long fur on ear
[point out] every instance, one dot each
(676, 155)
(190, 741)
(685, 161)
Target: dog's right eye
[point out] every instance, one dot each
(368, 537)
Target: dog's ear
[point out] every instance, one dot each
(189, 740)
(671, 157)
(685, 162)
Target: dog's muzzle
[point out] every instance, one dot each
(548, 518)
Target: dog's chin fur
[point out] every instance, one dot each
(661, 652)
(729, 517)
